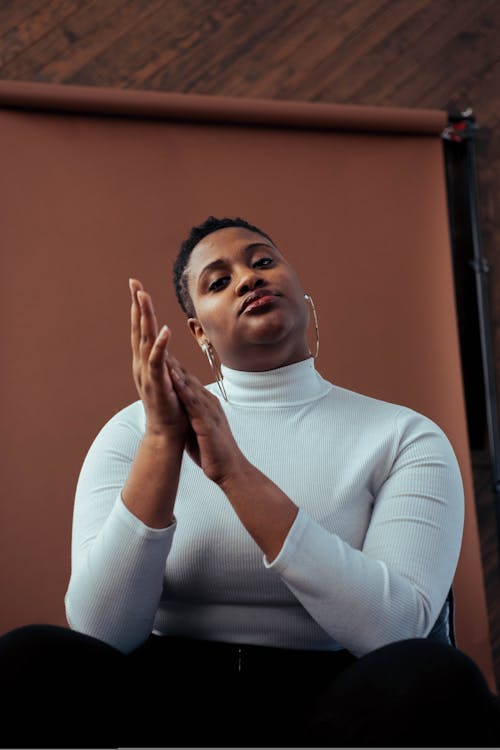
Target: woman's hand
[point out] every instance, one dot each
(262, 507)
(210, 441)
(165, 414)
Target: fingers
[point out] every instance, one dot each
(157, 355)
(148, 324)
(144, 328)
(174, 364)
(180, 379)
(195, 397)
(135, 317)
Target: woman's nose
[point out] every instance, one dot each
(248, 282)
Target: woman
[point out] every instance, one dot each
(260, 561)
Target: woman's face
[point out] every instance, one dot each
(248, 300)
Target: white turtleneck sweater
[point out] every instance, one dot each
(368, 560)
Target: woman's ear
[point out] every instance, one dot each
(196, 329)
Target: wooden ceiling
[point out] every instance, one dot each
(410, 53)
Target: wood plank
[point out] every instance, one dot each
(286, 73)
(357, 66)
(75, 38)
(452, 63)
(402, 52)
(178, 60)
(20, 31)
(171, 34)
(14, 12)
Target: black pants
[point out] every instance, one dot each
(63, 689)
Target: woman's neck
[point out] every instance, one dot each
(291, 384)
(263, 357)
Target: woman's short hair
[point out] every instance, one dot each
(197, 233)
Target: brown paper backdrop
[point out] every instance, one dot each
(87, 200)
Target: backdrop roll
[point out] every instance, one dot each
(99, 185)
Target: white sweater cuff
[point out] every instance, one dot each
(140, 528)
(291, 543)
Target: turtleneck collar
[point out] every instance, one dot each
(285, 386)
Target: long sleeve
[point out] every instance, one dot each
(393, 587)
(368, 560)
(118, 563)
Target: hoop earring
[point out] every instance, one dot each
(209, 351)
(308, 298)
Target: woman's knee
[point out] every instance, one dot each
(52, 649)
(50, 674)
(427, 668)
(399, 691)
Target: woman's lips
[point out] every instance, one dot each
(259, 302)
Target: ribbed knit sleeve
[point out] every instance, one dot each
(118, 563)
(394, 586)
(369, 559)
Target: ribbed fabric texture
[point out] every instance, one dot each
(369, 559)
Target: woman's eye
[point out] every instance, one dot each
(263, 262)
(218, 284)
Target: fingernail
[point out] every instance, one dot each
(140, 298)
(163, 332)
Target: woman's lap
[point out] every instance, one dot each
(65, 689)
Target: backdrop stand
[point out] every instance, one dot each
(463, 199)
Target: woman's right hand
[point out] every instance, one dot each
(165, 415)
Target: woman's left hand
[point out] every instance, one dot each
(264, 509)
(210, 442)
